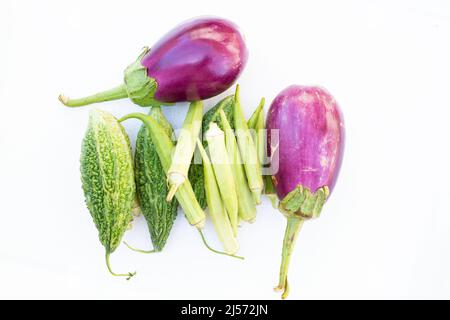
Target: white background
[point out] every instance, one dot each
(384, 233)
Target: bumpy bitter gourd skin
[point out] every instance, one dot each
(107, 177)
(213, 115)
(151, 184)
(197, 180)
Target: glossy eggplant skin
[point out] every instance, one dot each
(310, 143)
(197, 60)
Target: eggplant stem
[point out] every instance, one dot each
(129, 275)
(216, 251)
(116, 93)
(293, 227)
(139, 250)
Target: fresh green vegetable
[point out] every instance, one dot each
(248, 150)
(151, 184)
(196, 175)
(108, 179)
(164, 147)
(181, 160)
(269, 191)
(213, 115)
(216, 206)
(246, 204)
(223, 172)
(260, 134)
(251, 123)
(257, 124)
(196, 178)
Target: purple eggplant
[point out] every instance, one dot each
(197, 60)
(306, 142)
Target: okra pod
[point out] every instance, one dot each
(223, 172)
(251, 123)
(246, 204)
(248, 151)
(260, 134)
(257, 123)
(219, 215)
(177, 174)
(164, 147)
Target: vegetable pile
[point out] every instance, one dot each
(295, 156)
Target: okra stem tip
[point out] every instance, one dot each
(200, 225)
(175, 179)
(257, 195)
(173, 189)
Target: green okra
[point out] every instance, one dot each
(177, 174)
(165, 147)
(196, 175)
(247, 149)
(108, 179)
(217, 210)
(223, 171)
(251, 123)
(246, 204)
(257, 123)
(260, 134)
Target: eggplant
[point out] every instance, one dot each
(197, 60)
(306, 142)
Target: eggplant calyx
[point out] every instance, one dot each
(303, 203)
(137, 86)
(140, 88)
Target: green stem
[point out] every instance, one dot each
(139, 250)
(293, 227)
(116, 93)
(216, 251)
(129, 275)
(164, 147)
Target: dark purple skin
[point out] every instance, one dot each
(311, 139)
(197, 60)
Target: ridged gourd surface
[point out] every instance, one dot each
(151, 184)
(107, 177)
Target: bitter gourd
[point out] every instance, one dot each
(151, 184)
(108, 179)
(213, 115)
